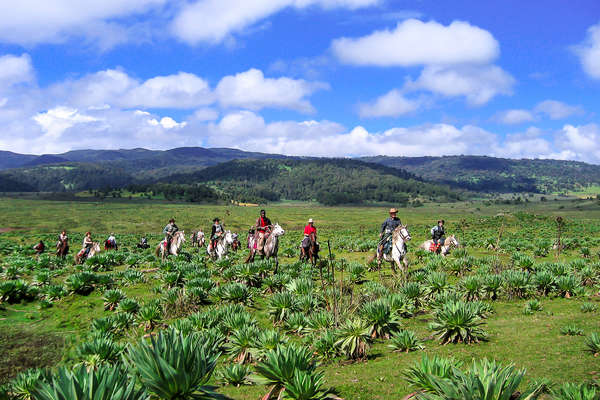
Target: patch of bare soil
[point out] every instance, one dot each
(23, 349)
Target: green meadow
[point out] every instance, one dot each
(45, 327)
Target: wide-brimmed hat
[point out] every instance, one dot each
(216, 219)
(393, 210)
(310, 220)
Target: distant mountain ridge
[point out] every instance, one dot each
(95, 169)
(498, 175)
(181, 155)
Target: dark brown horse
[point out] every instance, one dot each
(309, 249)
(62, 248)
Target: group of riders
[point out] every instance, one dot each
(392, 222)
(259, 232)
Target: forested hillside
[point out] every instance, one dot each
(490, 174)
(328, 181)
(283, 177)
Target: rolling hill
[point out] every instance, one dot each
(498, 175)
(97, 169)
(328, 181)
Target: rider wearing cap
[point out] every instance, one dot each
(387, 228)
(263, 225)
(215, 233)
(437, 235)
(309, 230)
(169, 232)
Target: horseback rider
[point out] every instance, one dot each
(112, 241)
(216, 233)
(385, 234)
(62, 238)
(87, 243)
(309, 230)
(62, 245)
(143, 244)
(437, 235)
(39, 248)
(263, 227)
(169, 231)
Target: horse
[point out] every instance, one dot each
(270, 248)
(197, 239)
(110, 245)
(311, 250)
(80, 256)
(221, 247)
(235, 246)
(400, 236)
(450, 243)
(62, 248)
(176, 243)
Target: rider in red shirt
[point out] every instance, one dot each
(310, 228)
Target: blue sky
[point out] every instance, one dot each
(303, 77)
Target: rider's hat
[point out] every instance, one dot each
(310, 220)
(262, 211)
(441, 220)
(393, 210)
(216, 219)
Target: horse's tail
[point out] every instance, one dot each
(157, 251)
(370, 259)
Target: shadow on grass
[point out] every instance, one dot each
(22, 349)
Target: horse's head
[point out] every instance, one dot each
(277, 230)
(403, 232)
(454, 241)
(228, 238)
(96, 247)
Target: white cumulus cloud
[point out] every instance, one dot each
(477, 83)
(30, 22)
(253, 91)
(589, 52)
(57, 120)
(212, 21)
(391, 104)
(515, 116)
(414, 42)
(557, 109)
(15, 70)
(167, 123)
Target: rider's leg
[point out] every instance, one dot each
(261, 243)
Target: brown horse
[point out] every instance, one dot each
(309, 249)
(62, 248)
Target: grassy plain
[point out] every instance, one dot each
(30, 336)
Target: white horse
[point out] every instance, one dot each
(271, 246)
(400, 236)
(80, 256)
(176, 243)
(197, 239)
(222, 247)
(450, 243)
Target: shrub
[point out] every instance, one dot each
(405, 341)
(458, 323)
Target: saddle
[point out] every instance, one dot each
(434, 247)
